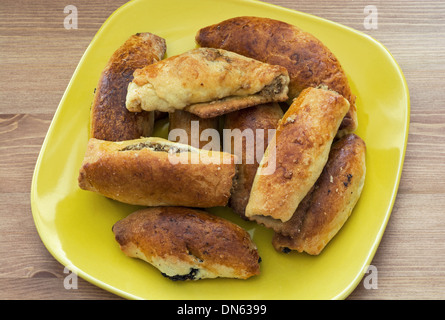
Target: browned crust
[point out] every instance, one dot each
(147, 177)
(110, 119)
(261, 117)
(309, 62)
(183, 120)
(328, 206)
(189, 236)
(302, 143)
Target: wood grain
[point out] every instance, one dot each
(39, 56)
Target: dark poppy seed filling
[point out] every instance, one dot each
(182, 277)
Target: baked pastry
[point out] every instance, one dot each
(298, 153)
(309, 62)
(326, 209)
(206, 82)
(188, 244)
(109, 118)
(157, 172)
(256, 125)
(187, 128)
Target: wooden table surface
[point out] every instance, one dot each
(38, 57)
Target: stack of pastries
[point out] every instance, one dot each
(247, 73)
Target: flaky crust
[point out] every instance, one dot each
(188, 244)
(183, 120)
(110, 119)
(154, 176)
(299, 152)
(263, 117)
(329, 205)
(206, 82)
(309, 62)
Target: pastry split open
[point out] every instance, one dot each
(157, 172)
(188, 244)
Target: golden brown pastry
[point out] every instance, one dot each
(309, 62)
(185, 121)
(110, 119)
(258, 121)
(206, 82)
(188, 244)
(325, 210)
(157, 172)
(298, 153)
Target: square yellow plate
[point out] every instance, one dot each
(75, 225)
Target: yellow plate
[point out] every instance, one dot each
(75, 225)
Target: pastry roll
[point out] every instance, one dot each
(256, 125)
(309, 62)
(206, 82)
(299, 151)
(188, 244)
(329, 205)
(157, 172)
(110, 119)
(193, 129)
